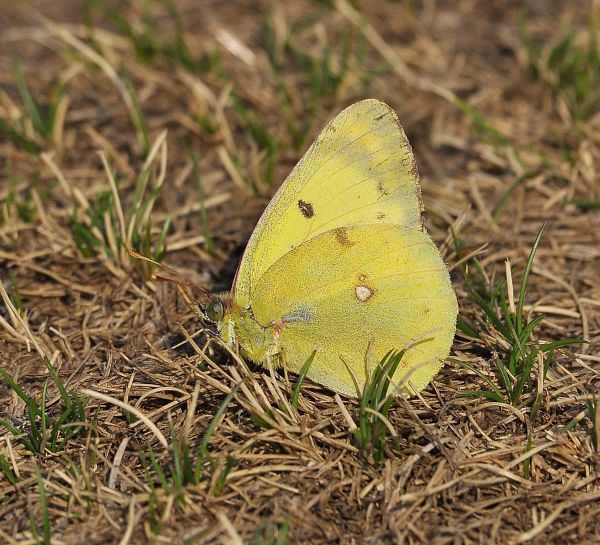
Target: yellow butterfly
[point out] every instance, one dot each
(340, 263)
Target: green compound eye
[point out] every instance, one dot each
(215, 311)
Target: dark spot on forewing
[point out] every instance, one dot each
(381, 189)
(306, 209)
(380, 117)
(341, 237)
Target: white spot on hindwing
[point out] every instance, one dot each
(363, 293)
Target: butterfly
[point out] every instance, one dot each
(340, 264)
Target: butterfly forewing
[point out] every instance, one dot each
(360, 170)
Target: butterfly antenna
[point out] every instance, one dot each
(177, 279)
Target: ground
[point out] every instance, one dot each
(166, 126)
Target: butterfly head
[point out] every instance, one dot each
(238, 327)
(217, 309)
(214, 309)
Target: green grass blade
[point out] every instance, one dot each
(216, 420)
(560, 343)
(584, 203)
(18, 138)
(137, 117)
(30, 106)
(6, 469)
(523, 288)
(47, 535)
(58, 383)
(507, 378)
(481, 124)
(301, 376)
(25, 441)
(465, 328)
(17, 389)
(506, 197)
(43, 417)
(210, 243)
(58, 427)
(158, 471)
(222, 479)
(486, 394)
(487, 309)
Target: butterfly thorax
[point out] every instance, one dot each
(239, 328)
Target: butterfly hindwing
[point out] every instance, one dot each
(350, 286)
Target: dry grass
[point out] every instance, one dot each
(167, 438)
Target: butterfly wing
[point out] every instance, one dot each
(350, 286)
(360, 170)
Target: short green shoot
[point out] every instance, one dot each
(328, 70)
(7, 470)
(225, 470)
(527, 461)
(301, 376)
(375, 403)
(593, 413)
(38, 124)
(45, 537)
(517, 365)
(185, 466)
(589, 419)
(153, 507)
(585, 204)
(45, 432)
(15, 294)
(149, 42)
(19, 202)
(106, 226)
(148, 187)
(339, 63)
(17, 137)
(266, 419)
(570, 66)
(482, 128)
(139, 122)
(269, 532)
(507, 196)
(268, 416)
(90, 234)
(262, 138)
(210, 241)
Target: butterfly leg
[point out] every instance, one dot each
(278, 326)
